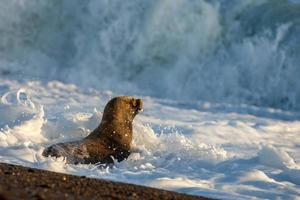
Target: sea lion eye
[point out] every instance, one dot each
(133, 102)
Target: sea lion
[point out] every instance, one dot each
(109, 141)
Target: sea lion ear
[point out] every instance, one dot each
(133, 102)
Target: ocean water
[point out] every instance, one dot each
(219, 80)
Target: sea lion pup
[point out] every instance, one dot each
(109, 141)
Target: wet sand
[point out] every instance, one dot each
(17, 182)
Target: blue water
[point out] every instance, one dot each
(220, 51)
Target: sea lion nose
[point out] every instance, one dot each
(139, 103)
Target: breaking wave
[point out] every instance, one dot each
(237, 52)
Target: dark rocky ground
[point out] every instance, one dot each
(17, 182)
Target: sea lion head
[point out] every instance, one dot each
(122, 109)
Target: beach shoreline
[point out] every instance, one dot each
(18, 182)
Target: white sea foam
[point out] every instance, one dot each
(219, 151)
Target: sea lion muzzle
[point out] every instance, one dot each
(139, 105)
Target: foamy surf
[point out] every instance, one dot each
(191, 149)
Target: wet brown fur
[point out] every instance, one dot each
(109, 141)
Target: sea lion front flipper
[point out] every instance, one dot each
(52, 151)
